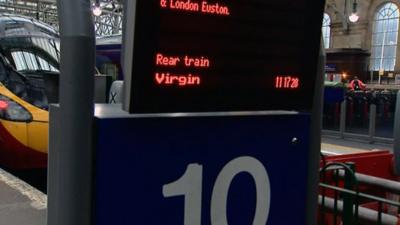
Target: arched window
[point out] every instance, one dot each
(384, 38)
(326, 30)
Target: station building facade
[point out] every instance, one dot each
(368, 48)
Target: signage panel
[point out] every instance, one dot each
(220, 55)
(202, 170)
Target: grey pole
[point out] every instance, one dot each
(396, 136)
(315, 142)
(127, 51)
(342, 124)
(372, 123)
(70, 146)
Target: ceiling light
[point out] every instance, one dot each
(96, 10)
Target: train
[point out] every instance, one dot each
(29, 73)
(29, 76)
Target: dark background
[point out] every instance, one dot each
(247, 50)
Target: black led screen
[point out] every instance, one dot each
(224, 55)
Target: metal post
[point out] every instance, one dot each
(38, 10)
(396, 136)
(115, 28)
(342, 124)
(127, 50)
(70, 177)
(315, 142)
(348, 199)
(372, 122)
(372, 76)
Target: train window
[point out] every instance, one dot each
(32, 53)
(28, 61)
(50, 46)
(45, 65)
(29, 57)
(30, 89)
(33, 60)
(24, 61)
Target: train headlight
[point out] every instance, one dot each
(11, 110)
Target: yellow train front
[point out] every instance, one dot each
(29, 74)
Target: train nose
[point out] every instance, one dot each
(20, 145)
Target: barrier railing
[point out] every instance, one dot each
(342, 202)
(363, 115)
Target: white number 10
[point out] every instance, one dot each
(190, 185)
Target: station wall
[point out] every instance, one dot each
(355, 35)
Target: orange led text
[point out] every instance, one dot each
(187, 61)
(193, 6)
(166, 60)
(287, 82)
(177, 79)
(196, 62)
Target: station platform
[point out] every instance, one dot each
(20, 203)
(337, 146)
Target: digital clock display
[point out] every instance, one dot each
(222, 55)
(287, 82)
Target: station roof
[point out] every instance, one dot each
(109, 22)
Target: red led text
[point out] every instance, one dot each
(214, 9)
(162, 60)
(163, 3)
(196, 62)
(187, 61)
(177, 79)
(203, 7)
(187, 5)
(287, 82)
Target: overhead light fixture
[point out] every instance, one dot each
(96, 9)
(354, 17)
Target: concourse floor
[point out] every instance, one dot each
(20, 204)
(337, 146)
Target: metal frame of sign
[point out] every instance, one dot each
(236, 79)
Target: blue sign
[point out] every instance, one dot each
(204, 170)
(330, 68)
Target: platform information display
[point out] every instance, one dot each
(238, 164)
(222, 55)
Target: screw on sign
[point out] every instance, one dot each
(190, 185)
